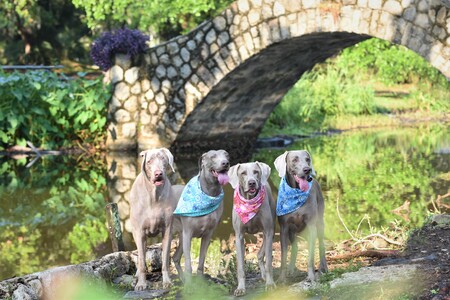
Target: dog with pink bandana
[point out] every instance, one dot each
(253, 212)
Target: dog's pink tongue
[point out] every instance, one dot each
(223, 178)
(302, 183)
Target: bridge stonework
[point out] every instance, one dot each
(216, 86)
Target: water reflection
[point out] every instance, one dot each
(53, 213)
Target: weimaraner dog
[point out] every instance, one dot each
(200, 208)
(153, 200)
(300, 205)
(253, 212)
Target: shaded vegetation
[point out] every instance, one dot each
(51, 111)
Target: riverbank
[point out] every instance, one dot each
(417, 270)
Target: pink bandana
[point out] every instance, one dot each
(247, 209)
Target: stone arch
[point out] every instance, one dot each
(215, 86)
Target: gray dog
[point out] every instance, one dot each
(200, 208)
(253, 211)
(300, 205)
(153, 200)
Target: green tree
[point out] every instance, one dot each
(164, 19)
(41, 32)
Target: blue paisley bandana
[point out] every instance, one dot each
(194, 202)
(290, 199)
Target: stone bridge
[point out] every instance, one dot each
(216, 86)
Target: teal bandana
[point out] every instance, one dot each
(290, 199)
(194, 202)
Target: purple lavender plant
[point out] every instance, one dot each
(128, 41)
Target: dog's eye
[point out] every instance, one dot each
(255, 172)
(244, 173)
(308, 160)
(295, 159)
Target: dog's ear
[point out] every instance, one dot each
(280, 164)
(169, 157)
(313, 172)
(232, 174)
(143, 154)
(265, 172)
(200, 162)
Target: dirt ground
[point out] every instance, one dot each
(432, 244)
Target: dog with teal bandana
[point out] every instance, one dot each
(300, 206)
(200, 208)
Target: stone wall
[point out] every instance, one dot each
(216, 86)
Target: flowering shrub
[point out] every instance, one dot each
(128, 41)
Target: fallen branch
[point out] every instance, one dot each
(380, 236)
(366, 253)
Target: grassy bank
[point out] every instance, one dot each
(370, 84)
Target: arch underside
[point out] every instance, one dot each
(233, 113)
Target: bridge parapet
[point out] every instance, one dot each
(221, 81)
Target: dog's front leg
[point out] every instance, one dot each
(268, 241)
(312, 229)
(203, 250)
(323, 262)
(177, 255)
(141, 240)
(187, 238)
(284, 232)
(240, 252)
(167, 239)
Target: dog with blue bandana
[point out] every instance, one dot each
(200, 208)
(300, 206)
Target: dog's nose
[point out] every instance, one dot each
(306, 170)
(158, 173)
(251, 183)
(225, 163)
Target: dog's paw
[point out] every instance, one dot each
(140, 286)
(239, 292)
(167, 285)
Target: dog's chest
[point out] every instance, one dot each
(154, 223)
(254, 226)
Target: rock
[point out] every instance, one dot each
(126, 281)
(375, 274)
(303, 286)
(24, 292)
(147, 294)
(440, 220)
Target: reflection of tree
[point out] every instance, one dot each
(52, 214)
(374, 172)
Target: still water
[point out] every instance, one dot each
(52, 213)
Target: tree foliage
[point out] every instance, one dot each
(41, 32)
(51, 111)
(165, 18)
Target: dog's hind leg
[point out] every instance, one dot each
(261, 255)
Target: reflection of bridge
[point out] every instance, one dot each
(216, 86)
